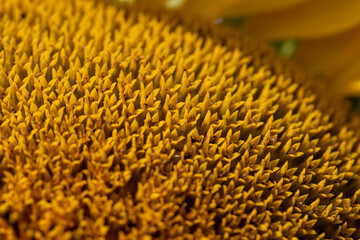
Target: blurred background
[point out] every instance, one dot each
(321, 36)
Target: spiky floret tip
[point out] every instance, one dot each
(121, 124)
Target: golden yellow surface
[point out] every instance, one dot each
(327, 32)
(118, 124)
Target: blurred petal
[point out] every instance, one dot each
(327, 56)
(174, 3)
(150, 4)
(315, 18)
(251, 7)
(230, 8)
(348, 81)
(208, 8)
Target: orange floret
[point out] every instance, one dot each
(121, 124)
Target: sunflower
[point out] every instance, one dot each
(327, 32)
(116, 123)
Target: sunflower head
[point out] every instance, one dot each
(120, 124)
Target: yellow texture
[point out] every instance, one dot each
(332, 57)
(307, 20)
(230, 8)
(117, 124)
(326, 29)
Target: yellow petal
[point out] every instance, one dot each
(149, 4)
(208, 8)
(251, 7)
(347, 82)
(328, 56)
(228, 8)
(316, 18)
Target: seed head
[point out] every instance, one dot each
(119, 124)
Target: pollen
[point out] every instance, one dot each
(116, 123)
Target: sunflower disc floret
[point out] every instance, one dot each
(119, 124)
